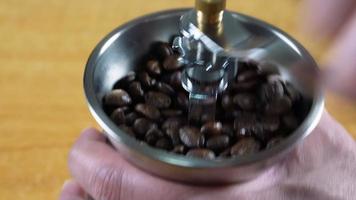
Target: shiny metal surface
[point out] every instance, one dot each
(118, 53)
(209, 14)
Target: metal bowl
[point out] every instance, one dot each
(118, 53)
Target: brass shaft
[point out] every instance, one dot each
(210, 13)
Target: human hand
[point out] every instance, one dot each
(336, 20)
(322, 167)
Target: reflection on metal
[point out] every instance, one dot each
(108, 43)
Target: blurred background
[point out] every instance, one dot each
(43, 51)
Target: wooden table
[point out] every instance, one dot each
(44, 47)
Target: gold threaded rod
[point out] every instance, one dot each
(210, 13)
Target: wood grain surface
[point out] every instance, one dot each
(43, 50)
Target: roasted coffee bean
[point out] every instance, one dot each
(126, 109)
(117, 97)
(218, 143)
(166, 78)
(142, 125)
(153, 67)
(245, 146)
(252, 65)
(255, 130)
(128, 130)
(171, 63)
(278, 106)
(247, 115)
(247, 65)
(219, 114)
(244, 86)
(268, 69)
(246, 126)
(164, 143)
(290, 121)
(118, 116)
(173, 134)
(270, 91)
(211, 128)
(136, 91)
(107, 108)
(260, 133)
(207, 117)
(148, 111)
(242, 66)
(165, 88)
(110, 109)
(131, 117)
(247, 75)
(228, 130)
(146, 80)
(227, 102)
(180, 149)
(171, 113)
(150, 139)
(292, 92)
(153, 134)
(225, 153)
(191, 137)
(245, 101)
(270, 123)
(230, 115)
(274, 78)
(163, 50)
(195, 114)
(201, 153)
(182, 100)
(273, 142)
(176, 80)
(125, 81)
(158, 99)
(172, 123)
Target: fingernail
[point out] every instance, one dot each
(66, 183)
(90, 128)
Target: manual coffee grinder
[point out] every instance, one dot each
(211, 41)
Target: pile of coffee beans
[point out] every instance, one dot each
(257, 110)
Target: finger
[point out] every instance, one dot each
(72, 191)
(337, 135)
(105, 175)
(341, 62)
(325, 17)
(91, 134)
(327, 141)
(326, 156)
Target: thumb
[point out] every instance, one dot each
(341, 62)
(72, 191)
(102, 172)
